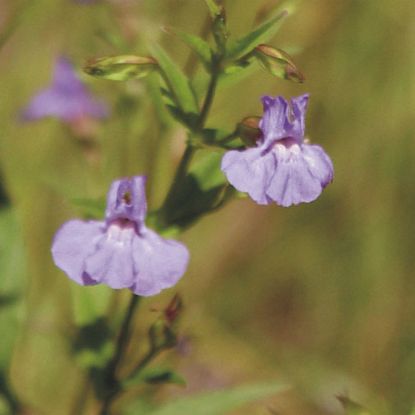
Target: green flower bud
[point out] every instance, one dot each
(121, 68)
(278, 63)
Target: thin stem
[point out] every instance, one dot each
(151, 354)
(209, 98)
(190, 149)
(119, 351)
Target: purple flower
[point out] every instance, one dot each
(283, 167)
(67, 98)
(120, 251)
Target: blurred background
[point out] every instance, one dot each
(320, 295)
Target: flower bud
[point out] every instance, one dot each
(248, 130)
(219, 29)
(173, 310)
(121, 68)
(278, 63)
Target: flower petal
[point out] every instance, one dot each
(127, 200)
(67, 98)
(293, 181)
(159, 263)
(112, 261)
(319, 163)
(73, 242)
(299, 108)
(44, 104)
(250, 171)
(53, 103)
(273, 122)
(65, 78)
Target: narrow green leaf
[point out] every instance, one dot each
(234, 74)
(177, 81)
(203, 190)
(156, 376)
(260, 35)
(220, 402)
(198, 45)
(214, 135)
(93, 345)
(188, 119)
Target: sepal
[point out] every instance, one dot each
(121, 68)
(278, 63)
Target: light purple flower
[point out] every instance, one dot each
(121, 251)
(67, 98)
(283, 167)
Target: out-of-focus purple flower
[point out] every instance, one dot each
(121, 251)
(283, 167)
(67, 98)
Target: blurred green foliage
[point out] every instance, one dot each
(320, 295)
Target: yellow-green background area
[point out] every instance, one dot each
(321, 296)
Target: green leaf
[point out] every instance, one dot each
(260, 35)
(177, 82)
(220, 402)
(188, 119)
(198, 45)
(93, 346)
(214, 135)
(203, 190)
(234, 74)
(121, 68)
(351, 407)
(156, 376)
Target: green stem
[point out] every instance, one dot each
(188, 154)
(209, 98)
(151, 354)
(111, 378)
